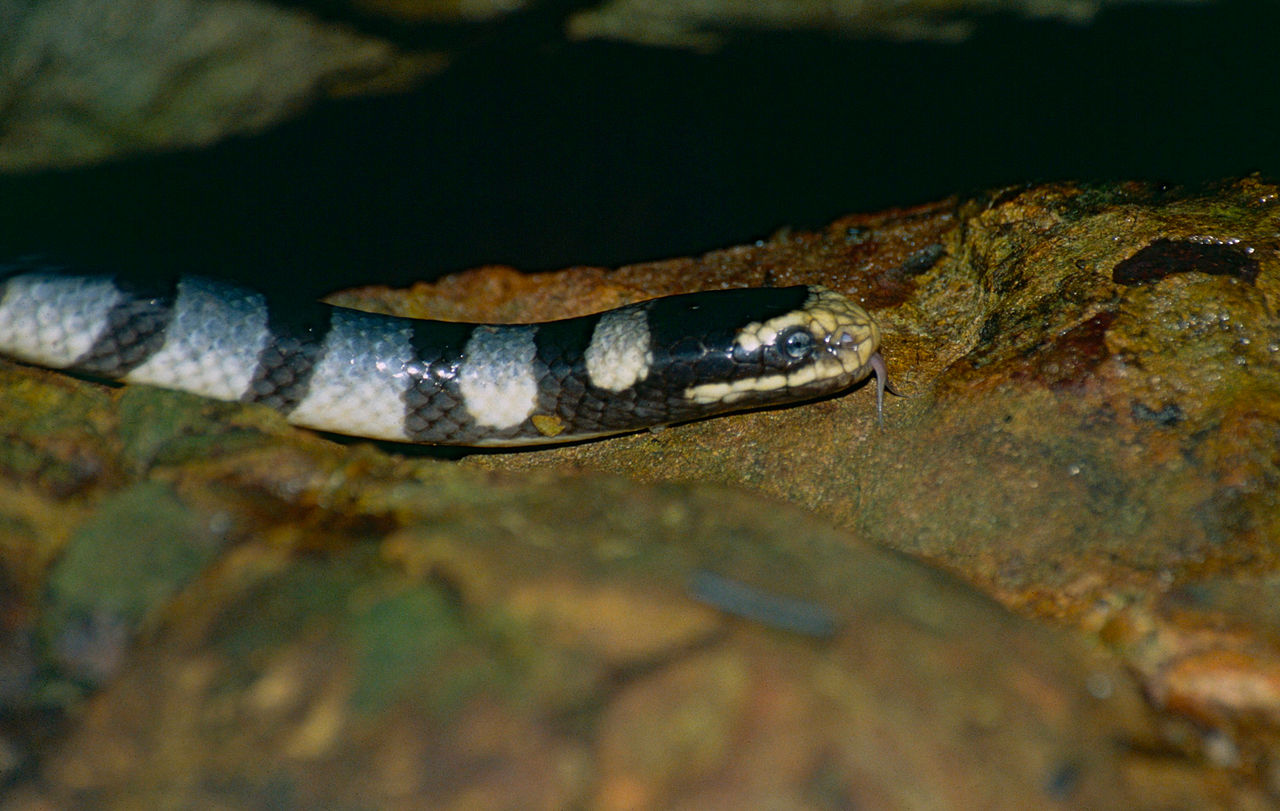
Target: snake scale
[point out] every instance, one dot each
(640, 366)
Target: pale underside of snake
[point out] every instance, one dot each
(645, 365)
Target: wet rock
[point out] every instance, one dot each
(1073, 443)
(82, 81)
(1096, 453)
(546, 652)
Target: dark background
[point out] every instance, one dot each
(539, 153)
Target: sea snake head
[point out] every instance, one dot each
(823, 346)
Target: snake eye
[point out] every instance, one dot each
(796, 343)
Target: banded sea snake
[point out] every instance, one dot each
(644, 365)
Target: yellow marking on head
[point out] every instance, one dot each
(829, 317)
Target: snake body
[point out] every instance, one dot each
(644, 365)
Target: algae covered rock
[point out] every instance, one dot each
(721, 613)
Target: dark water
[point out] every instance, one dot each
(542, 154)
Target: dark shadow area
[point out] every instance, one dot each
(541, 154)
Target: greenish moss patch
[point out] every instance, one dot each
(140, 547)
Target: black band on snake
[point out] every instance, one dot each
(644, 365)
